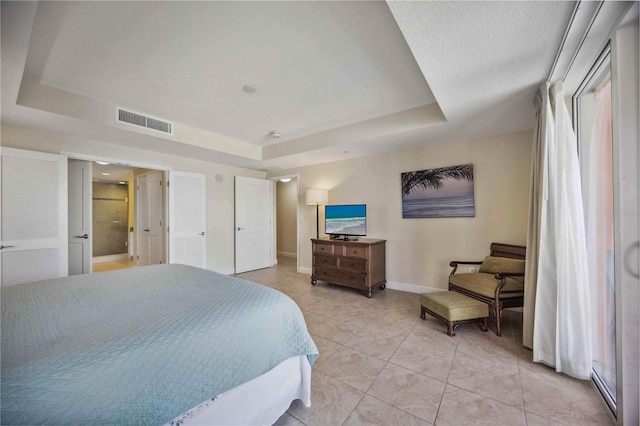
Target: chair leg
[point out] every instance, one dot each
(484, 324)
(498, 311)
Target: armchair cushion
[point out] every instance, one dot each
(485, 284)
(495, 264)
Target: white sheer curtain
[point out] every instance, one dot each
(561, 305)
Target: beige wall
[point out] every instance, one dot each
(286, 214)
(419, 250)
(220, 195)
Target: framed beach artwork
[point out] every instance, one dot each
(441, 192)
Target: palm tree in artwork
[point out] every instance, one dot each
(433, 178)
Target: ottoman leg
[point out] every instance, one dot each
(484, 324)
(422, 312)
(450, 325)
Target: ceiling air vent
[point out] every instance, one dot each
(140, 120)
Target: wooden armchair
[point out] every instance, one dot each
(499, 281)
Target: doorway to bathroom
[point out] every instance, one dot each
(105, 211)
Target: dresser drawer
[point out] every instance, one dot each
(353, 278)
(325, 261)
(352, 251)
(323, 248)
(357, 265)
(326, 274)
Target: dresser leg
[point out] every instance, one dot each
(314, 281)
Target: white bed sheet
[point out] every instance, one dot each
(260, 401)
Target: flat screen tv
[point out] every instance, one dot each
(348, 220)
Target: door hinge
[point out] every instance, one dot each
(167, 184)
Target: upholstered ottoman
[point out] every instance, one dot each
(454, 308)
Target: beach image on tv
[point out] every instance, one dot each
(346, 220)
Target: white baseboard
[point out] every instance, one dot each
(304, 270)
(412, 288)
(110, 258)
(227, 271)
(409, 288)
(286, 254)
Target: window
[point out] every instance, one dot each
(594, 121)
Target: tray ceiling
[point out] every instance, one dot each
(335, 79)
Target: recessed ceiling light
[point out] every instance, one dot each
(285, 180)
(105, 174)
(104, 163)
(122, 183)
(275, 134)
(248, 88)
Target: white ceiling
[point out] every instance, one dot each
(116, 172)
(362, 77)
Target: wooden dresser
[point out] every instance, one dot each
(359, 264)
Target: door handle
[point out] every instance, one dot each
(4, 247)
(202, 233)
(240, 228)
(145, 230)
(85, 236)
(628, 262)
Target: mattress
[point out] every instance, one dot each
(260, 401)
(139, 346)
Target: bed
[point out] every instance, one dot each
(163, 344)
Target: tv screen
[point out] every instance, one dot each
(346, 220)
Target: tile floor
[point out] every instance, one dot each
(109, 266)
(381, 364)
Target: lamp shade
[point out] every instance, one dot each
(317, 196)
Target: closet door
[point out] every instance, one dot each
(253, 221)
(34, 216)
(187, 198)
(80, 229)
(150, 213)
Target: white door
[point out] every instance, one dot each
(80, 203)
(34, 216)
(253, 227)
(187, 218)
(150, 219)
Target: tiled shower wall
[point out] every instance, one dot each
(110, 218)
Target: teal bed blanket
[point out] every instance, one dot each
(138, 346)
